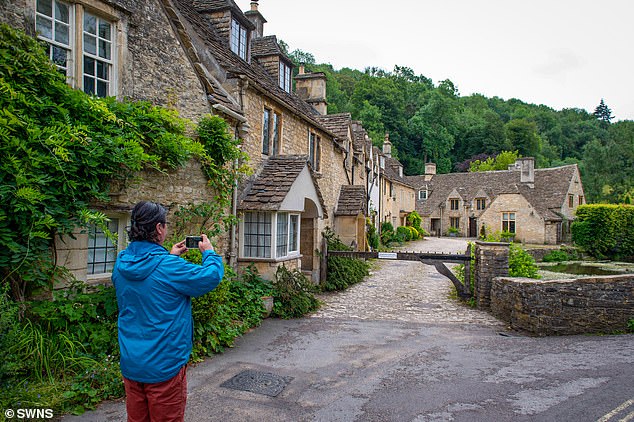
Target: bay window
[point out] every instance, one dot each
(265, 232)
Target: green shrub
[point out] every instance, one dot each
(293, 294)
(387, 233)
(558, 255)
(342, 272)
(605, 231)
(403, 234)
(521, 263)
(372, 235)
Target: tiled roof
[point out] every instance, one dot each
(234, 65)
(338, 124)
(548, 192)
(391, 171)
(352, 200)
(268, 190)
(266, 46)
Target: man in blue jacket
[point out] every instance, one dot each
(154, 290)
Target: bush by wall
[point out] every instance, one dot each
(342, 272)
(605, 231)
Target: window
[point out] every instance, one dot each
(481, 203)
(580, 199)
(271, 132)
(102, 251)
(314, 151)
(285, 77)
(238, 39)
(422, 194)
(508, 222)
(571, 201)
(453, 204)
(90, 65)
(264, 232)
(257, 235)
(454, 222)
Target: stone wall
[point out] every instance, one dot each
(491, 260)
(563, 307)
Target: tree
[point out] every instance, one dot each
(500, 162)
(603, 113)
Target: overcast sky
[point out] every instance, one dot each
(561, 53)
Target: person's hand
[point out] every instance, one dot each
(179, 248)
(205, 244)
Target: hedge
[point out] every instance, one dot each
(605, 231)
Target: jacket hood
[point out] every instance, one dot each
(140, 258)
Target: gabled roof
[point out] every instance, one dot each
(547, 195)
(268, 190)
(266, 46)
(352, 200)
(392, 173)
(218, 47)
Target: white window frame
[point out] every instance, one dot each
(509, 220)
(422, 194)
(283, 241)
(102, 242)
(238, 39)
(104, 67)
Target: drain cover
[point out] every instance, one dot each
(258, 382)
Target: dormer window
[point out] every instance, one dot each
(239, 39)
(422, 194)
(285, 76)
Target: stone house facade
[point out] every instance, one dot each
(208, 56)
(535, 205)
(396, 193)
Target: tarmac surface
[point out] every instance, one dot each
(397, 347)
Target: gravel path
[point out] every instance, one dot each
(406, 291)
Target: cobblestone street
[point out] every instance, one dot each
(406, 291)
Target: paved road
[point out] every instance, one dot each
(396, 348)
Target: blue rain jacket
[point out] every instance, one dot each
(154, 291)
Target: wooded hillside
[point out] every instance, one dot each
(434, 123)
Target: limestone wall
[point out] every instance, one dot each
(562, 307)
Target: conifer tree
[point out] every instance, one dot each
(603, 112)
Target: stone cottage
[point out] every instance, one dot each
(535, 205)
(396, 193)
(207, 56)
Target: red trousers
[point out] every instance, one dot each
(159, 402)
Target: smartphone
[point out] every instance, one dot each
(192, 241)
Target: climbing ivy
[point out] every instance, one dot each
(63, 149)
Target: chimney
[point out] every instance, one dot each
(527, 169)
(256, 19)
(430, 171)
(311, 87)
(387, 146)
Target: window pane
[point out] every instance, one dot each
(44, 27)
(89, 66)
(59, 56)
(102, 252)
(104, 30)
(266, 131)
(282, 235)
(45, 7)
(61, 12)
(102, 70)
(90, 24)
(294, 233)
(90, 44)
(102, 89)
(89, 85)
(104, 49)
(276, 133)
(61, 33)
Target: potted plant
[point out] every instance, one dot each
(453, 231)
(507, 236)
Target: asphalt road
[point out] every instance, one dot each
(397, 348)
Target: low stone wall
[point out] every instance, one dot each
(562, 307)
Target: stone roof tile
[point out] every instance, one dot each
(352, 200)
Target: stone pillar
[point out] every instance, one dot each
(491, 260)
